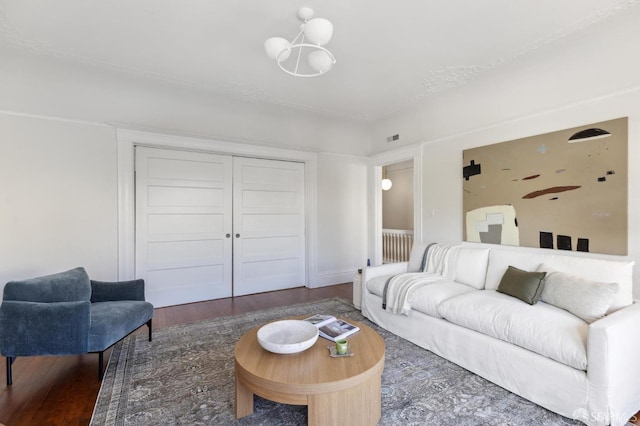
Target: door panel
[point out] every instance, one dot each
(161, 226)
(269, 224)
(179, 254)
(269, 231)
(264, 271)
(283, 246)
(188, 169)
(253, 199)
(182, 285)
(181, 196)
(183, 214)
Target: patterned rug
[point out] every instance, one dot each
(185, 377)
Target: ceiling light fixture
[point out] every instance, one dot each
(317, 32)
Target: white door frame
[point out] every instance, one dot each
(375, 174)
(129, 139)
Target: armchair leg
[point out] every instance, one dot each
(100, 365)
(101, 353)
(149, 324)
(10, 360)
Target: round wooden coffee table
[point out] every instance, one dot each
(343, 390)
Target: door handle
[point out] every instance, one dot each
(228, 235)
(237, 235)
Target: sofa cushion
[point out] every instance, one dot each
(471, 266)
(111, 321)
(586, 299)
(526, 286)
(540, 328)
(427, 298)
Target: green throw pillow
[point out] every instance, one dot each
(526, 286)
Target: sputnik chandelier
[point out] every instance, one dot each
(314, 34)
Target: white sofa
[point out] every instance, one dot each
(585, 371)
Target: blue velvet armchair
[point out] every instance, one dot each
(69, 314)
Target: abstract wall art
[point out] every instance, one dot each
(565, 190)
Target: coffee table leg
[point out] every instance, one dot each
(244, 399)
(359, 405)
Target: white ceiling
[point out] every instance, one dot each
(389, 54)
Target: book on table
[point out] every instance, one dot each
(332, 328)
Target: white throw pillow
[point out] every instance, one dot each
(416, 256)
(471, 266)
(588, 300)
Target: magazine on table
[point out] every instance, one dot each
(332, 328)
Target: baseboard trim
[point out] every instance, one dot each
(328, 278)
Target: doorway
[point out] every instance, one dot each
(397, 211)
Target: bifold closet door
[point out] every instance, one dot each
(268, 225)
(183, 225)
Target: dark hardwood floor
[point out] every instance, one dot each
(63, 390)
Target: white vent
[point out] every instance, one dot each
(393, 138)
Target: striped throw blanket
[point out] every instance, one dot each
(436, 269)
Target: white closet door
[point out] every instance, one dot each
(269, 225)
(183, 225)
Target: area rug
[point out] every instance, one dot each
(185, 377)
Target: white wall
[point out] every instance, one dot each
(342, 217)
(58, 198)
(47, 86)
(568, 84)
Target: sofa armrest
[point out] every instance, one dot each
(386, 269)
(371, 272)
(104, 291)
(613, 365)
(33, 328)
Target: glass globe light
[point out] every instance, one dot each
(318, 31)
(386, 184)
(305, 13)
(276, 45)
(320, 61)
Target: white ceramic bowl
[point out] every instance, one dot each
(287, 336)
